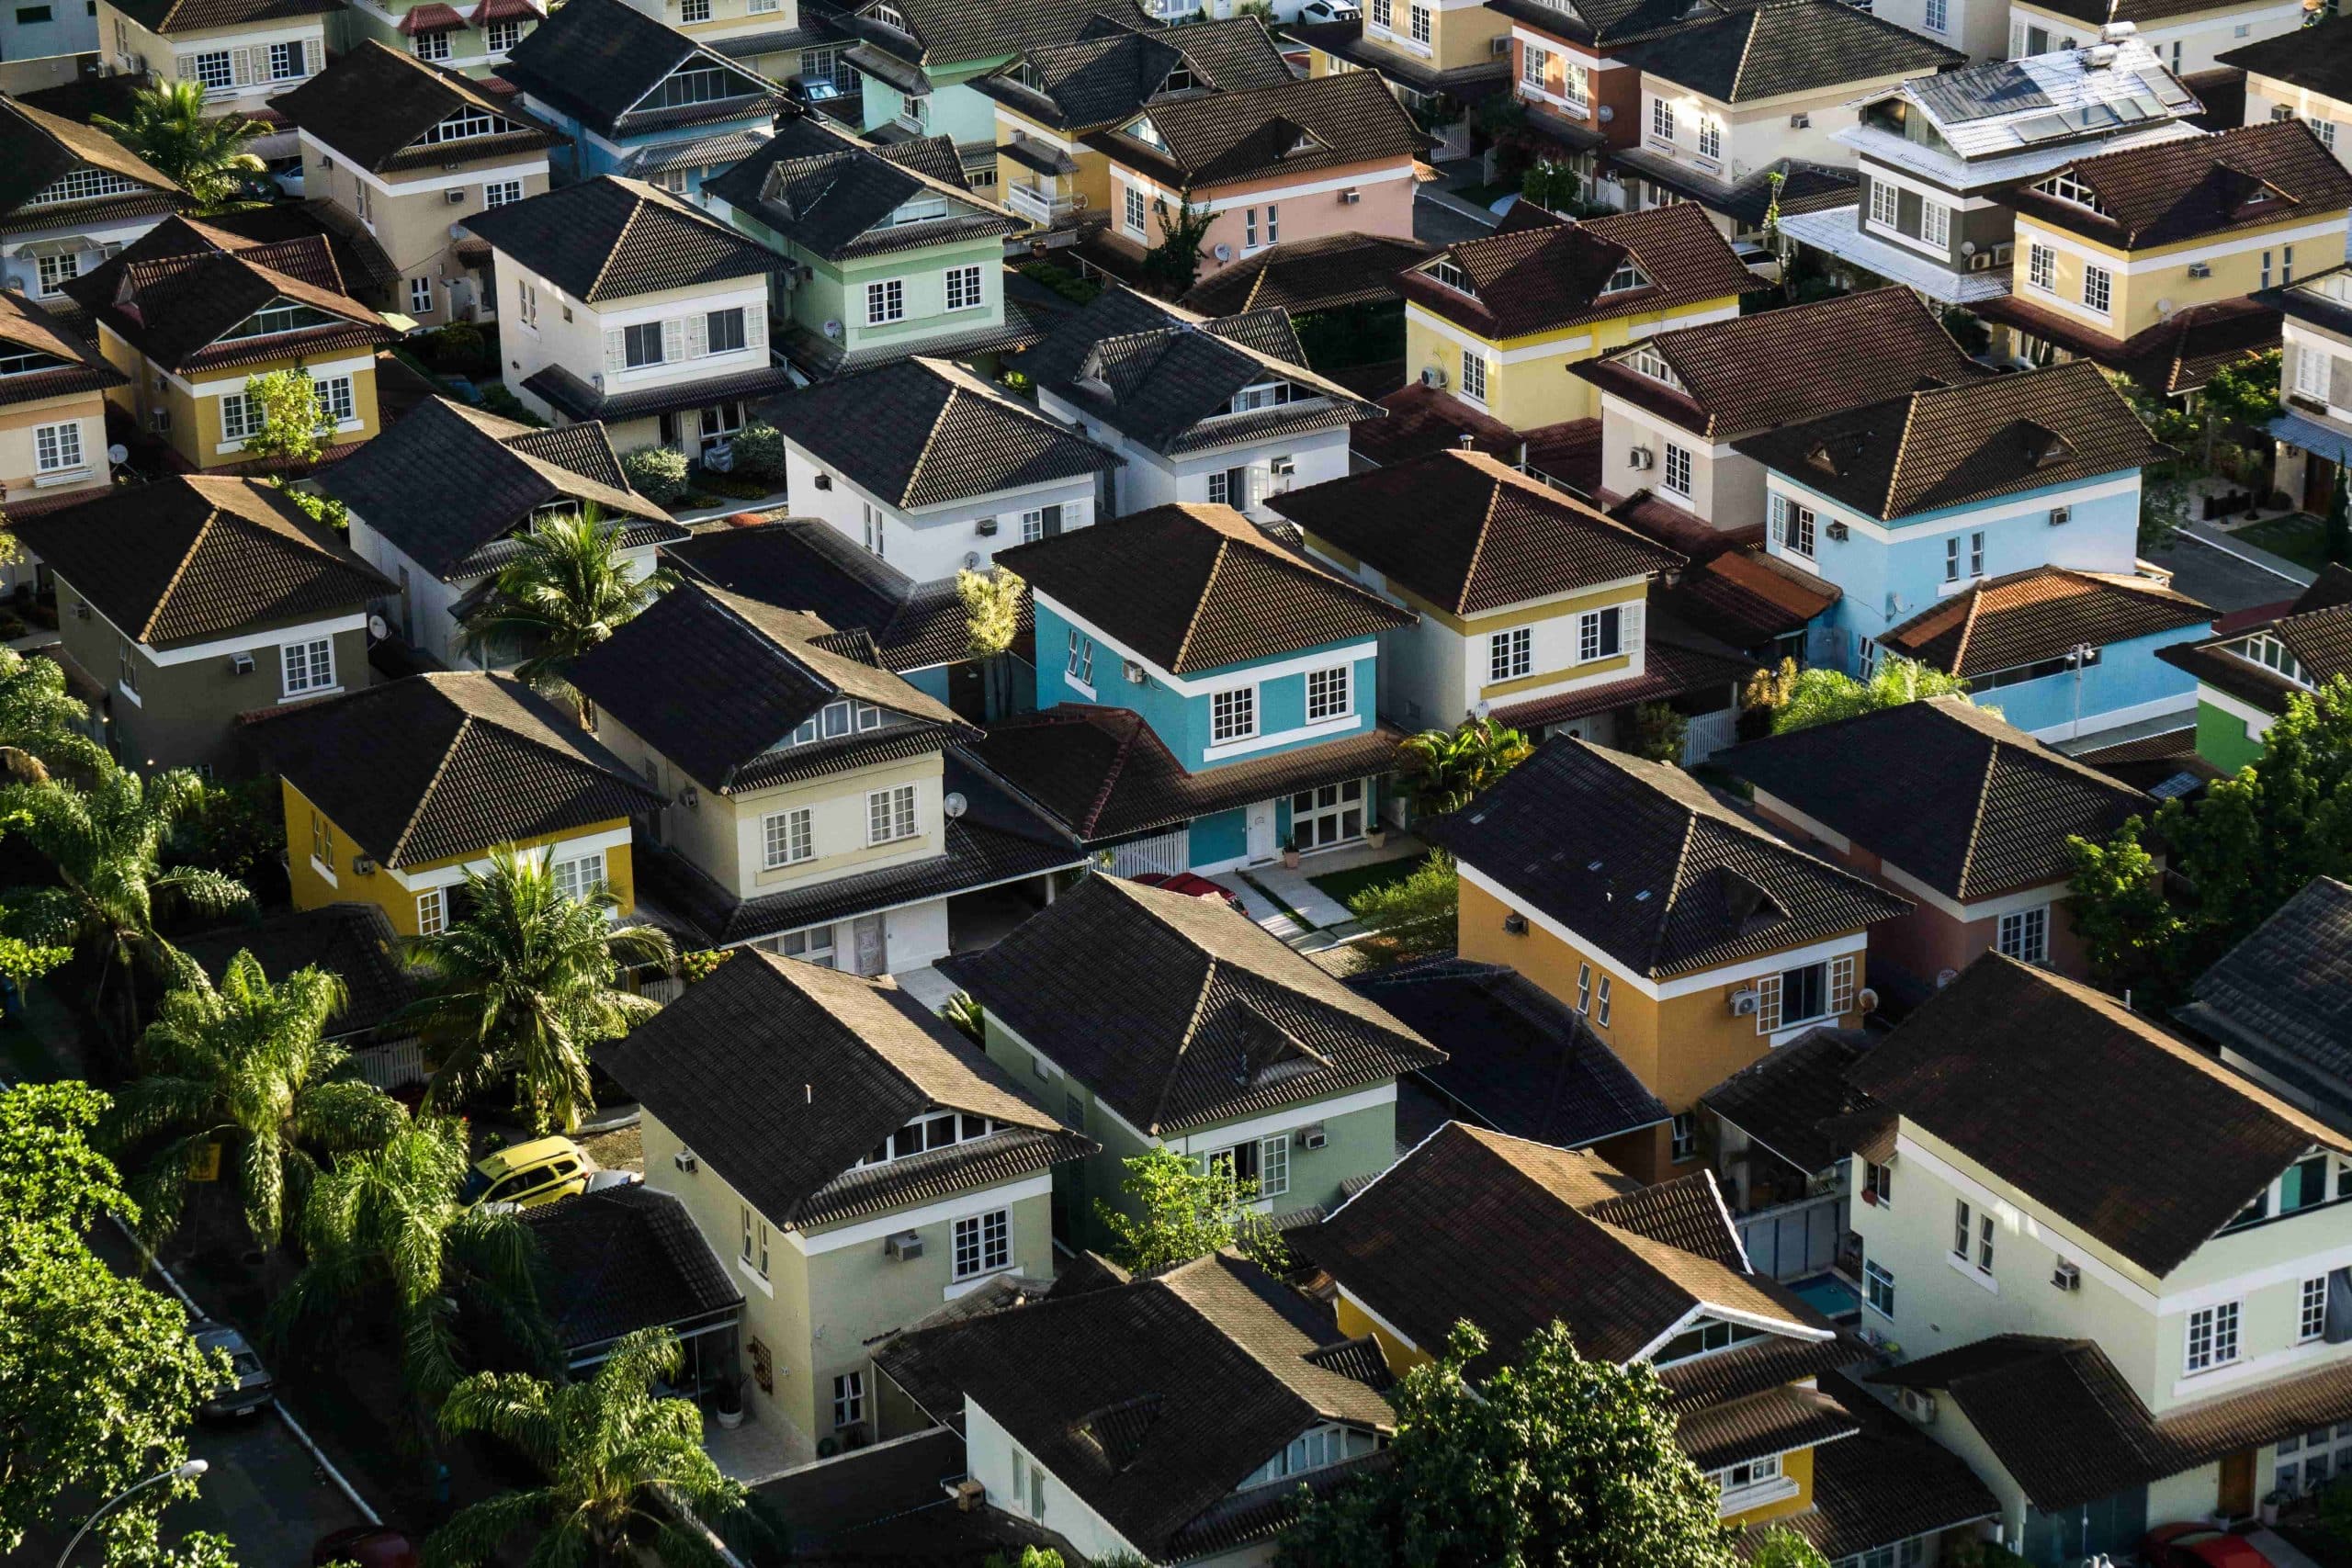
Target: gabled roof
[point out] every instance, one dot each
(1180, 1012)
(1640, 858)
(2175, 356)
(1153, 1398)
(1854, 348)
(438, 765)
(832, 195)
(192, 558)
(2317, 57)
(1292, 130)
(1304, 275)
(782, 1076)
(2034, 107)
(2283, 996)
(43, 148)
(168, 16)
(923, 432)
(950, 33)
(1194, 587)
(1609, 21)
(66, 364)
(449, 485)
(1091, 82)
(1550, 275)
(610, 239)
(1747, 597)
(626, 1259)
(2168, 193)
(1790, 46)
(2029, 616)
(777, 668)
(2317, 630)
(597, 61)
(1794, 1100)
(1948, 446)
(1995, 1065)
(374, 107)
(1951, 796)
(1468, 534)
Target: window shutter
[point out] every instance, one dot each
(1074, 515)
(184, 68)
(1767, 1004)
(241, 67)
(673, 340)
(1841, 986)
(697, 336)
(616, 351)
(302, 57)
(2339, 382)
(756, 329)
(1629, 628)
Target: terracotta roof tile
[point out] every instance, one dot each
(1550, 276)
(2029, 616)
(2168, 193)
(1290, 128)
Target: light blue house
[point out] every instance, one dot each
(1988, 528)
(1205, 696)
(639, 99)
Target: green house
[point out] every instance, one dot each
(2246, 677)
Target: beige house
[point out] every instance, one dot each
(778, 39)
(2186, 37)
(243, 52)
(2306, 75)
(409, 151)
(52, 416)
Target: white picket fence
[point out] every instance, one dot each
(1166, 853)
(392, 1065)
(1709, 733)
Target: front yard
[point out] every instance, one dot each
(2299, 535)
(1345, 886)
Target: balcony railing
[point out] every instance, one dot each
(1037, 207)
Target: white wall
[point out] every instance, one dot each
(1727, 490)
(988, 1449)
(429, 598)
(1151, 479)
(930, 544)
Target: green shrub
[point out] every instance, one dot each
(659, 473)
(1061, 280)
(496, 398)
(458, 349)
(323, 509)
(759, 452)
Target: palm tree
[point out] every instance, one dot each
(42, 729)
(206, 155)
(244, 1065)
(567, 591)
(525, 983)
(384, 1233)
(617, 1461)
(102, 842)
(1447, 768)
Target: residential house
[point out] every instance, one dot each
(409, 151)
(2245, 677)
(885, 252)
(919, 629)
(781, 39)
(196, 599)
(1493, 322)
(1054, 96)
(1651, 1275)
(1729, 101)
(2313, 430)
(1213, 697)
(1673, 405)
(41, 32)
(53, 415)
(2306, 74)
(1167, 1021)
(619, 303)
(2274, 1004)
(1966, 816)
(639, 99)
(1937, 156)
(931, 467)
(623, 1259)
(1564, 71)
(1438, 58)
(78, 197)
(1222, 411)
(1173, 1419)
(858, 1161)
(1310, 276)
(2169, 1295)
(353, 941)
(1531, 606)
(2130, 250)
(1691, 939)
(439, 507)
(820, 818)
(2186, 37)
(1907, 502)
(1264, 165)
(394, 793)
(1779, 1129)
(192, 311)
(241, 52)
(474, 40)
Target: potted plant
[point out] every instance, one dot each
(1376, 834)
(2271, 1503)
(727, 1404)
(1290, 854)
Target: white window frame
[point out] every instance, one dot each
(2310, 1311)
(2024, 935)
(2312, 369)
(1710, 137)
(498, 192)
(1662, 118)
(1885, 203)
(2099, 289)
(1331, 693)
(885, 301)
(57, 449)
(429, 46)
(216, 69)
(1795, 527)
(1878, 1288)
(849, 1398)
(1677, 458)
(501, 36)
(432, 912)
(890, 815)
(1422, 25)
(53, 272)
(1532, 62)
(286, 60)
(1233, 714)
(1594, 640)
(1935, 223)
(756, 1240)
(584, 873)
(788, 838)
(1273, 1165)
(420, 296)
(1937, 17)
(1136, 215)
(1682, 1136)
(313, 658)
(1510, 654)
(982, 1244)
(2212, 1338)
(1473, 376)
(961, 289)
(2041, 267)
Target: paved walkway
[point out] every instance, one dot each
(1289, 904)
(927, 986)
(2274, 1547)
(763, 1447)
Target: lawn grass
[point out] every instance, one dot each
(1343, 886)
(2299, 535)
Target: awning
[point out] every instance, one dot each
(704, 152)
(1038, 156)
(2309, 435)
(507, 10)
(67, 245)
(431, 18)
(890, 70)
(1837, 230)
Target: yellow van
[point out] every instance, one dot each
(538, 1171)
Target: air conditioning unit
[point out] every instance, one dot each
(1433, 376)
(2200, 269)
(2066, 1276)
(1800, 121)
(362, 867)
(1132, 671)
(81, 609)
(1918, 1404)
(985, 527)
(1639, 457)
(1982, 261)
(1515, 925)
(1499, 44)
(1840, 530)
(1284, 467)
(2061, 515)
(454, 197)
(824, 481)
(905, 1246)
(1350, 196)
(1312, 1137)
(2003, 251)
(684, 1160)
(1745, 1002)
(241, 664)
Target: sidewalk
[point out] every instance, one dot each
(2227, 543)
(1287, 904)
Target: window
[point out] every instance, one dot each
(789, 837)
(335, 406)
(2311, 1314)
(2041, 267)
(1677, 471)
(1249, 229)
(84, 184)
(849, 1399)
(1082, 657)
(699, 84)
(1878, 1182)
(2312, 368)
(1233, 716)
(430, 46)
(1600, 1011)
(1884, 201)
(1683, 1137)
(885, 302)
(1647, 361)
(1229, 487)
(1473, 376)
(498, 192)
(1532, 62)
(1935, 223)
(1445, 272)
(873, 518)
(693, 10)
(322, 839)
(964, 288)
(30, 16)
(2305, 1186)
(527, 299)
(285, 60)
(432, 912)
(755, 1241)
(1800, 996)
(2269, 652)
(1510, 654)
(578, 876)
(56, 270)
(1383, 15)
(1584, 988)
(1421, 24)
(641, 345)
(1937, 17)
(57, 449)
(1134, 212)
(983, 1243)
(890, 813)
(1662, 118)
(1328, 693)
(214, 70)
(1795, 527)
(499, 37)
(2024, 935)
(2212, 1337)
(238, 418)
(1625, 277)
(1600, 634)
(723, 331)
(1711, 137)
(420, 296)
(2099, 288)
(1737, 1482)
(2287, 266)
(1273, 1165)
(307, 666)
(1878, 1283)
(1273, 223)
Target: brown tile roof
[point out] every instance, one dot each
(374, 106)
(1109, 75)
(1994, 1063)
(190, 558)
(1791, 46)
(2318, 57)
(2029, 616)
(1291, 131)
(2171, 358)
(1782, 1101)
(1747, 597)
(1759, 372)
(2317, 630)
(2283, 994)
(1885, 1484)
(1469, 534)
(1421, 419)
(1549, 276)
(1773, 1422)
(1306, 275)
(1948, 446)
(43, 148)
(614, 239)
(1194, 587)
(1178, 1011)
(74, 366)
(169, 16)
(2168, 193)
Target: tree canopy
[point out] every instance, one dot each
(1801, 699)
(205, 153)
(1190, 1209)
(1446, 769)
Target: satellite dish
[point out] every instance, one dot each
(1482, 710)
(118, 452)
(1968, 247)
(971, 560)
(833, 330)
(1225, 253)
(954, 804)
(378, 628)
(1607, 114)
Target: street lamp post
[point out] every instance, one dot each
(187, 1470)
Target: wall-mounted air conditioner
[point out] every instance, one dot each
(905, 1246)
(1639, 457)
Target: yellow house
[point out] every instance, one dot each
(52, 416)
(1429, 51)
(196, 309)
(2300, 75)
(1494, 321)
(394, 792)
(2125, 257)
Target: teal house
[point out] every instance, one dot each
(1155, 1020)
(1206, 697)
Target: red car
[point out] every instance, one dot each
(1190, 886)
(2200, 1546)
(370, 1546)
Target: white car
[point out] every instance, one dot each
(1330, 11)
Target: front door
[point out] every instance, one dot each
(872, 950)
(2237, 1498)
(1262, 830)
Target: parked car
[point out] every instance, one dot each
(2200, 1546)
(815, 91)
(369, 1546)
(249, 1386)
(1189, 884)
(526, 1174)
(1330, 11)
(606, 1180)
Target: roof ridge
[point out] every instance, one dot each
(1111, 775)
(187, 559)
(930, 439)
(1746, 46)
(1495, 489)
(1902, 444)
(1968, 623)
(1976, 819)
(620, 242)
(424, 795)
(1192, 1025)
(1674, 881)
(1225, 543)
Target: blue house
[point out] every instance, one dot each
(640, 99)
(1988, 528)
(1205, 696)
